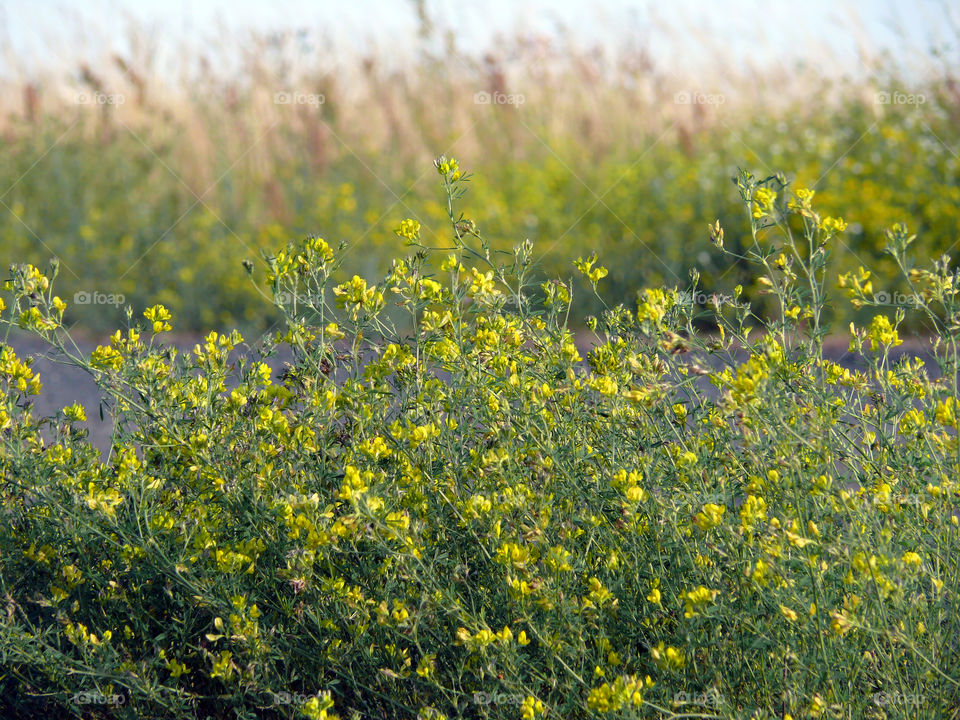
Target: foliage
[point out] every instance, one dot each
(450, 513)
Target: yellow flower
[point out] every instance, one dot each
(451, 264)
(223, 666)
(710, 517)
(760, 573)
(763, 201)
(427, 665)
(840, 623)
(376, 448)
(409, 229)
(668, 658)
(447, 166)
(598, 594)
(625, 691)
(105, 357)
(75, 413)
(653, 304)
(856, 285)
(789, 614)
(586, 267)
(696, 600)
(176, 668)
(158, 315)
(831, 225)
(317, 707)
(802, 200)
(798, 540)
(333, 332)
(881, 332)
(531, 707)
(752, 511)
(483, 283)
(945, 413)
(912, 559)
(912, 422)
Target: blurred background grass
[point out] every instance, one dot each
(156, 186)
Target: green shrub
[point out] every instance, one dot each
(447, 512)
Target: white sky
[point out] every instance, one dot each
(39, 34)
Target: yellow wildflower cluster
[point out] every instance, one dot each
(159, 318)
(408, 229)
(445, 498)
(624, 692)
(355, 296)
(593, 274)
(882, 333)
(17, 374)
(763, 201)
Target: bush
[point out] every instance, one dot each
(445, 511)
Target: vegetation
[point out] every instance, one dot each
(155, 194)
(446, 512)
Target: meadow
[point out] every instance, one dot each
(561, 430)
(457, 515)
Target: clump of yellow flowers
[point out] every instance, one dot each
(435, 507)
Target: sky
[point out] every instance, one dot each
(37, 35)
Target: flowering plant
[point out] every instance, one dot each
(448, 511)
